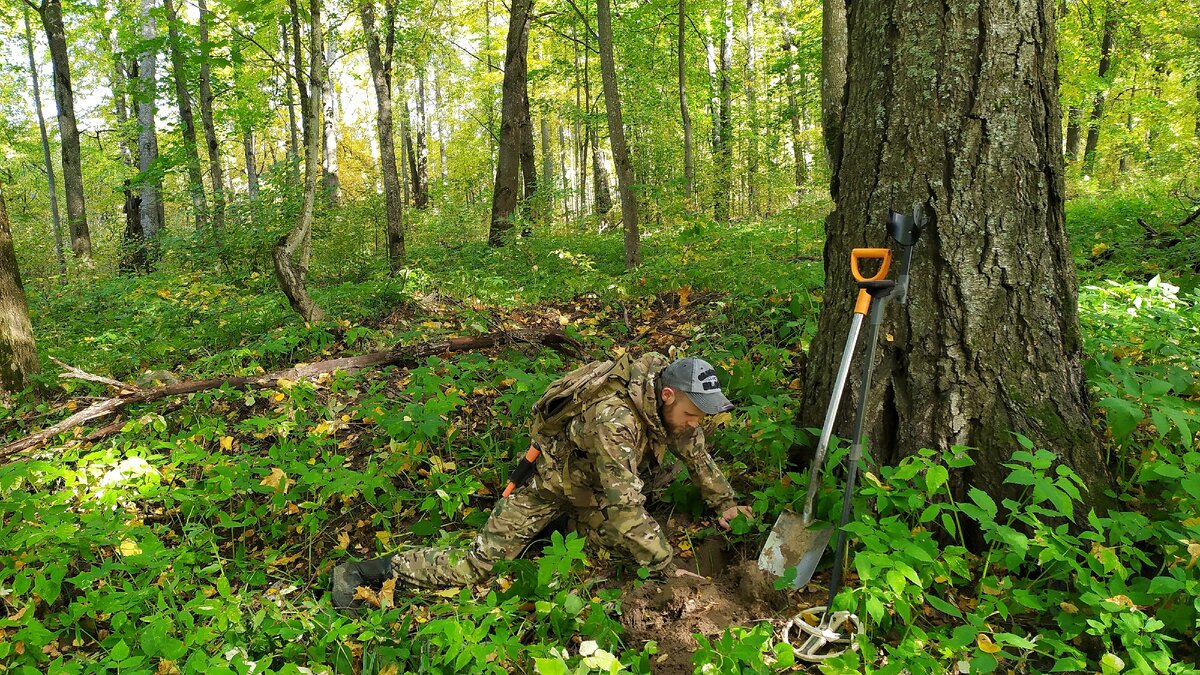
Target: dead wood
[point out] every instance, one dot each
(400, 355)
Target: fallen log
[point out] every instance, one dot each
(400, 355)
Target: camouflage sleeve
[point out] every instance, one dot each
(705, 473)
(611, 439)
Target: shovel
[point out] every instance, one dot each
(793, 542)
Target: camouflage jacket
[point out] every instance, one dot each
(596, 461)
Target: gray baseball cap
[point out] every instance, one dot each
(698, 379)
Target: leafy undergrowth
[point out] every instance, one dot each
(199, 538)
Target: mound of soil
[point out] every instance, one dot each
(670, 611)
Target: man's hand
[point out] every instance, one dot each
(732, 512)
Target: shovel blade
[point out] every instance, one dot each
(794, 544)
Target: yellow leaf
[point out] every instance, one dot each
(277, 480)
(71, 405)
(227, 443)
(1068, 608)
(685, 545)
(1098, 249)
(384, 537)
(129, 547)
(505, 583)
(447, 593)
(284, 560)
(366, 595)
(284, 384)
(278, 396)
(1122, 600)
(440, 465)
(1191, 522)
(387, 594)
(984, 641)
(389, 669)
(343, 541)
(684, 294)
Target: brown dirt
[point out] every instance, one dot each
(670, 611)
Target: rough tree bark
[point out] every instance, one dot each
(967, 121)
(215, 174)
(616, 137)
(187, 119)
(508, 160)
(68, 131)
(528, 163)
(288, 272)
(18, 354)
(55, 220)
(381, 77)
(689, 169)
(148, 208)
(1106, 47)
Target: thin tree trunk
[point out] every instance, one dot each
(547, 155)
(616, 138)
(184, 101)
(68, 132)
(55, 221)
(412, 186)
(580, 135)
(133, 253)
(508, 161)
(330, 135)
(724, 158)
(752, 110)
(215, 174)
(600, 189)
(1074, 125)
(293, 127)
(441, 124)
(528, 163)
(251, 163)
(566, 174)
(381, 77)
(989, 341)
(298, 72)
(421, 171)
(148, 208)
(289, 274)
(689, 169)
(800, 165)
(1196, 131)
(18, 353)
(1093, 132)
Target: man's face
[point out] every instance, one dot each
(679, 414)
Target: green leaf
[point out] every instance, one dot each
(943, 606)
(1164, 585)
(936, 477)
(984, 501)
(554, 666)
(1123, 416)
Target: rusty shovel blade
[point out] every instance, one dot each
(794, 544)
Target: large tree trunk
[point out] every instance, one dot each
(989, 342)
(508, 161)
(834, 89)
(55, 220)
(149, 211)
(289, 273)
(329, 163)
(1093, 132)
(689, 168)
(528, 162)
(381, 77)
(68, 131)
(616, 138)
(723, 134)
(210, 128)
(18, 354)
(184, 99)
(421, 169)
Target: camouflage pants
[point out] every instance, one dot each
(513, 523)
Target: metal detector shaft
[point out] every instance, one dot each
(839, 554)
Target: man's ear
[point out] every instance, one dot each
(667, 395)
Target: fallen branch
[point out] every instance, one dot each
(398, 355)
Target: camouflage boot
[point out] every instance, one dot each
(348, 577)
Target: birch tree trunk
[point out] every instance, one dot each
(616, 138)
(68, 131)
(18, 353)
(52, 189)
(421, 169)
(148, 208)
(329, 163)
(381, 77)
(215, 173)
(967, 122)
(251, 163)
(289, 274)
(508, 160)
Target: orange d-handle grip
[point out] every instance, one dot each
(883, 255)
(522, 472)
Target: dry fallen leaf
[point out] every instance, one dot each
(984, 641)
(367, 595)
(387, 595)
(277, 480)
(343, 541)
